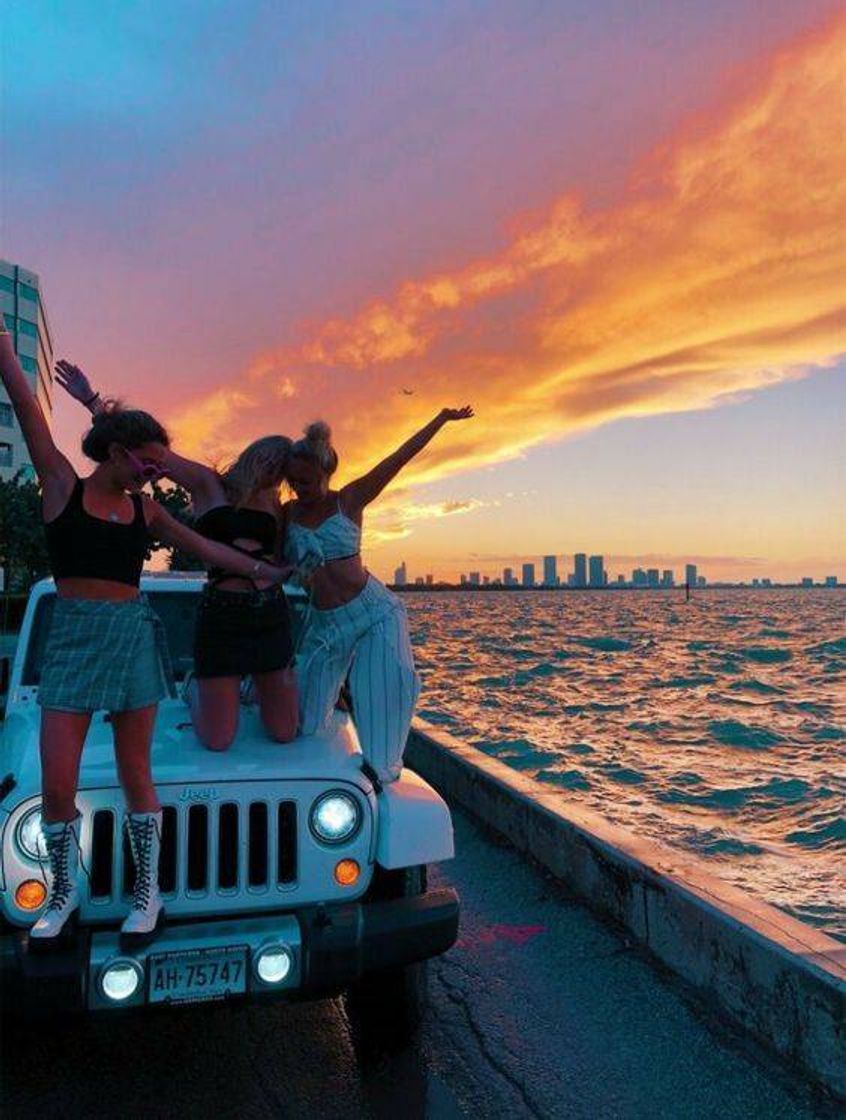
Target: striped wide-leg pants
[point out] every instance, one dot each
(367, 640)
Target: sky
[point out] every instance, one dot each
(617, 229)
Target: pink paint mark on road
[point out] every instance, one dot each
(488, 935)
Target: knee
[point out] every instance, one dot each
(282, 729)
(216, 735)
(218, 741)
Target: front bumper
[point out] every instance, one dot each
(330, 946)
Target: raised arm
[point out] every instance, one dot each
(200, 481)
(50, 464)
(361, 492)
(213, 554)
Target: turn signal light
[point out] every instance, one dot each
(347, 872)
(30, 894)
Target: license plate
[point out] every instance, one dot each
(198, 974)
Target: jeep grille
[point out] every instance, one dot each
(218, 848)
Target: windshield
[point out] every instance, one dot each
(177, 610)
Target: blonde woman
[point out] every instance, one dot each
(243, 624)
(359, 628)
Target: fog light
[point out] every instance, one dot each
(347, 872)
(30, 894)
(120, 980)
(273, 964)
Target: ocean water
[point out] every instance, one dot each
(716, 726)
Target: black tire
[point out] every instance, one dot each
(385, 1008)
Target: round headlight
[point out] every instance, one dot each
(273, 964)
(335, 817)
(120, 980)
(30, 835)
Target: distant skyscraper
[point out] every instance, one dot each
(401, 575)
(485, 580)
(831, 581)
(475, 578)
(766, 582)
(418, 582)
(22, 309)
(667, 578)
(508, 576)
(700, 581)
(429, 579)
(463, 579)
(550, 571)
(807, 581)
(639, 578)
(528, 575)
(653, 577)
(596, 569)
(621, 581)
(580, 570)
(690, 576)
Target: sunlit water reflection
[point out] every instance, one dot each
(716, 726)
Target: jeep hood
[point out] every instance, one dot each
(178, 756)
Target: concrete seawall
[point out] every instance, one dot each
(782, 981)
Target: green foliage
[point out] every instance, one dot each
(23, 549)
(177, 501)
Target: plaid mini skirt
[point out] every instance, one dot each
(104, 655)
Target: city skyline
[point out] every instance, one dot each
(597, 576)
(637, 292)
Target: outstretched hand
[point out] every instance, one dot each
(457, 413)
(73, 381)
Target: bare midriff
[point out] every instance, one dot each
(239, 583)
(338, 582)
(78, 587)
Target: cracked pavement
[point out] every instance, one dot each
(540, 1010)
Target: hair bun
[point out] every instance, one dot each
(316, 446)
(318, 432)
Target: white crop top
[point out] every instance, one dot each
(335, 538)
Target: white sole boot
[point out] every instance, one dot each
(62, 842)
(147, 912)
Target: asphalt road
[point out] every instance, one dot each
(539, 1011)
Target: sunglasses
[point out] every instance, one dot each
(144, 468)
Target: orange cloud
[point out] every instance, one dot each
(719, 272)
(397, 511)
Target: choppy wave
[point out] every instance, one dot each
(718, 725)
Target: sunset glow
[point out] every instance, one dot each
(709, 277)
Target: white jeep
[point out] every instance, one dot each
(287, 870)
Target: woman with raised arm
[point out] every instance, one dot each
(105, 649)
(359, 628)
(243, 625)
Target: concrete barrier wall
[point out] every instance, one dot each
(779, 979)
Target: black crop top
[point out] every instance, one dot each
(86, 547)
(228, 524)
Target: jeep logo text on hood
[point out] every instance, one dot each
(199, 793)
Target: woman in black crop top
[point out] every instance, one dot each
(243, 625)
(104, 649)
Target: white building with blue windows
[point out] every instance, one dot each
(22, 307)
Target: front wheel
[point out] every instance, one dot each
(385, 1008)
